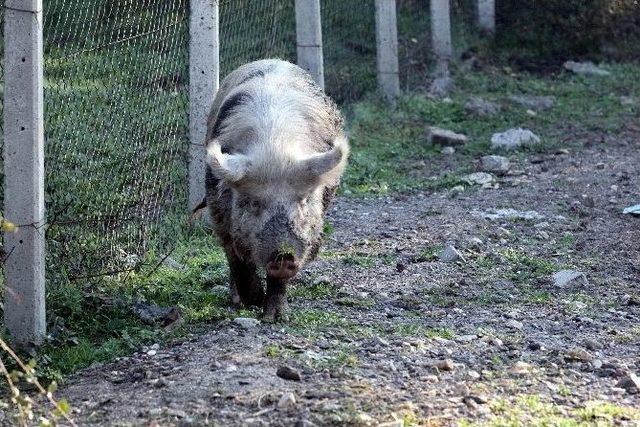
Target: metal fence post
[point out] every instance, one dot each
(487, 15)
(387, 48)
(24, 306)
(204, 79)
(441, 31)
(309, 38)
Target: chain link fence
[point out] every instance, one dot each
(116, 110)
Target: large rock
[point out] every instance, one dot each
(445, 137)
(537, 103)
(481, 107)
(514, 139)
(585, 68)
(495, 164)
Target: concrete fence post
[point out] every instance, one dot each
(24, 292)
(387, 49)
(487, 15)
(309, 38)
(204, 79)
(441, 32)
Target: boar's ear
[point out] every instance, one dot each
(326, 166)
(227, 167)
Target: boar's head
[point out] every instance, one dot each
(277, 203)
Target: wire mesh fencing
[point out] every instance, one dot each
(116, 118)
(116, 109)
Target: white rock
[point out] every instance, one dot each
(585, 68)
(514, 324)
(564, 278)
(450, 254)
(246, 322)
(537, 103)
(514, 138)
(481, 107)
(632, 210)
(441, 136)
(287, 401)
(479, 178)
(496, 164)
(510, 214)
(448, 150)
(628, 101)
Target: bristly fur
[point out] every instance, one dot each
(276, 150)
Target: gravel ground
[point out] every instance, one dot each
(383, 331)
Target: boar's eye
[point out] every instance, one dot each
(250, 204)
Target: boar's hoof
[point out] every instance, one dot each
(276, 310)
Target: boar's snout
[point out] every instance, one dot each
(282, 266)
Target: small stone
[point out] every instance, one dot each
(246, 322)
(585, 68)
(596, 363)
(630, 383)
(578, 354)
(287, 401)
(564, 278)
(481, 400)
(521, 368)
(474, 375)
(457, 189)
(514, 324)
(628, 101)
(450, 254)
(479, 178)
(466, 338)
(288, 373)
(514, 138)
(173, 264)
(445, 137)
(481, 107)
(495, 164)
(475, 242)
(497, 342)
(448, 150)
(445, 365)
(152, 352)
(537, 103)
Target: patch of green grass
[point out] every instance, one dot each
(417, 330)
(430, 253)
(356, 302)
(389, 148)
(113, 329)
(525, 268)
(531, 410)
(315, 290)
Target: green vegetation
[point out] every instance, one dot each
(389, 145)
(531, 410)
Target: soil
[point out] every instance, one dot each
(404, 337)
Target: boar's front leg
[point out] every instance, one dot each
(275, 304)
(246, 286)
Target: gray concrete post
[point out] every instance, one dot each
(309, 38)
(487, 15)
(441, 31)
(387, 49)
(204, 79)
(24, 304)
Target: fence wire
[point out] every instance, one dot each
(116, 109)
(115, 129)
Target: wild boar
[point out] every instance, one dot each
(276, 150)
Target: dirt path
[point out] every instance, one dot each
(383, 330)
